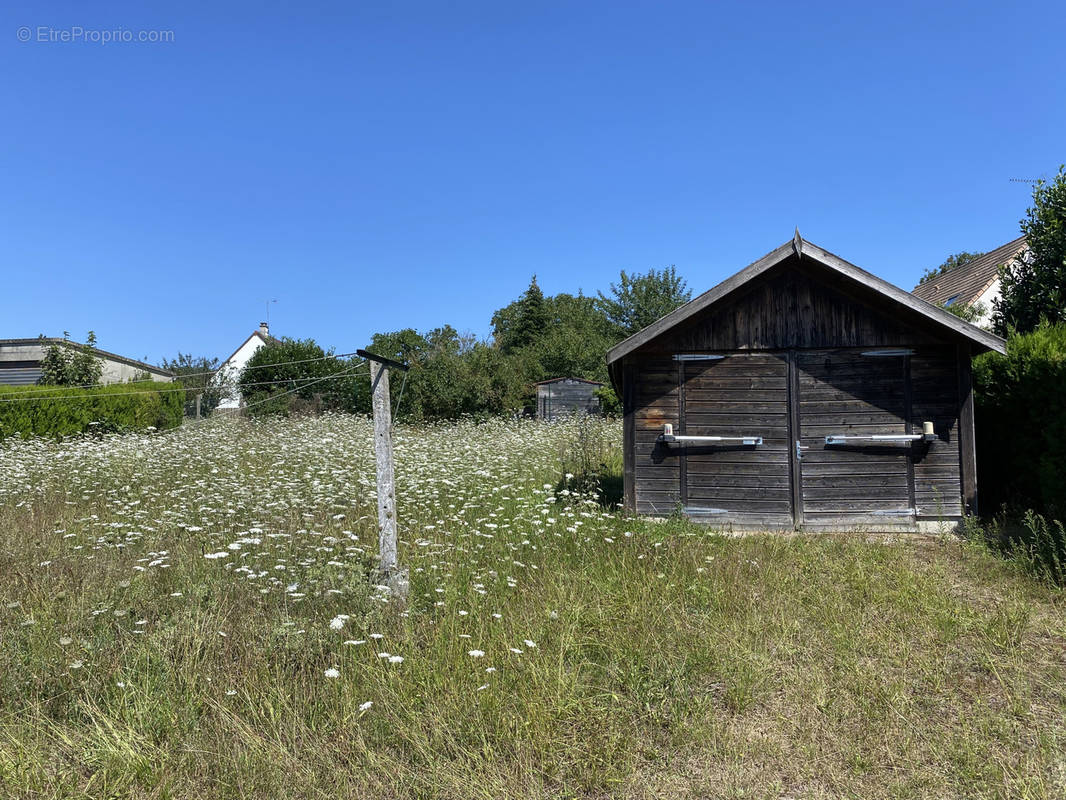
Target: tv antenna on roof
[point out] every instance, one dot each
(268, 302)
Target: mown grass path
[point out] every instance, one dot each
(190, 615)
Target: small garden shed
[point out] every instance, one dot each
(801, 392)
(560, 397)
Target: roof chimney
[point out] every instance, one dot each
(264, 328)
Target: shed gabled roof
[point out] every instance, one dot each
(968, 282)
(803, 249)
(568, 378)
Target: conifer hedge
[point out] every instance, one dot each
(1020, 410)
(64, 411)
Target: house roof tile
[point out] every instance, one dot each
(968, 282)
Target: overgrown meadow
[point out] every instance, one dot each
(195, 614)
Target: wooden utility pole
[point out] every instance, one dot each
(395, 577)
(199, 396)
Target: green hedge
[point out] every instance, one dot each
(61, 411)
(1020, 411)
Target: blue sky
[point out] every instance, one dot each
(379, 166)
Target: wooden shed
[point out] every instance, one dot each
(559, 397)
(801, 392)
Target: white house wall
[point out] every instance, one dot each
(991, 294)
(231, 370)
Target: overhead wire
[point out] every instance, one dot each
(32, 397)
(201, 374)
(340, 374)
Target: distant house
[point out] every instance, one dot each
(559, 397)
(20, 362)
(231, 368)
(973, 283)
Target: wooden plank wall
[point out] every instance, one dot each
(790, 308)
(744, 394)
(656, 468)
(846, 393)
(937, 475)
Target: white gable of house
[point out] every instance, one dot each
(231, 369)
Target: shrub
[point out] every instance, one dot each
(295, 376)
(1020, 410)
(609, 402)
(199, 377)
(40, 411)
(1036, 543)
(70, 364)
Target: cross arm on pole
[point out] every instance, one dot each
(387, 362)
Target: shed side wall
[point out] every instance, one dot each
(656, 469)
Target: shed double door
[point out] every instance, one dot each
(733, 395)
(854, 395)
(794, 400)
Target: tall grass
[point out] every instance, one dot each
(1035, 542)
(550, 648)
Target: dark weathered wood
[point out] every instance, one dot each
(934, 380)
(743, 480)
(828, 383)
(682, 427)
(385, 362)
(656, 398)
(768, 326)
(629, 483)
(966, 431)
(795, 456)
(877, 405)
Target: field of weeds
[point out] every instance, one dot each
(193, 614)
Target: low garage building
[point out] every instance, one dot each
(801, 392)
(20, 362)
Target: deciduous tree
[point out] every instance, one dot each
(636, 301)
(1034, 285)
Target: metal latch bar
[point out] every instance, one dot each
(668, 437)
(749, 440)
(881, 437)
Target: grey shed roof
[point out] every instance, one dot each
(970, 281)
(47, 341)
(799, 246)
(568, 378)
